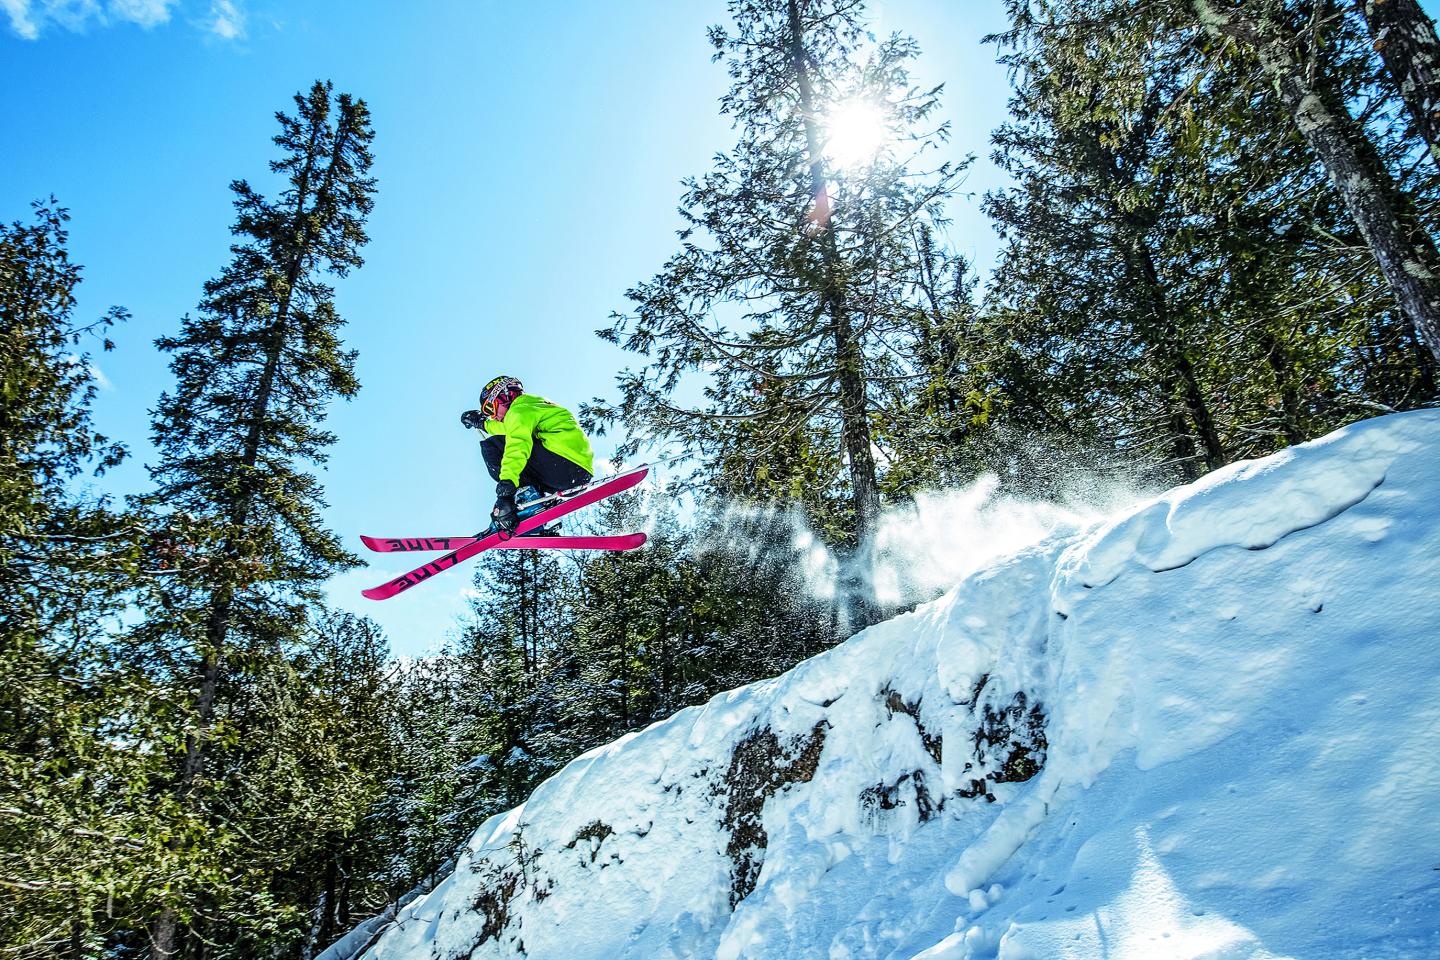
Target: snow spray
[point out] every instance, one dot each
(925, 546)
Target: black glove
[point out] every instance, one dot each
(504, 515)
(472, 419)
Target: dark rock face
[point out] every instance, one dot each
(760, 766)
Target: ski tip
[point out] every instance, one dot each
(386, 590)
(372, 543)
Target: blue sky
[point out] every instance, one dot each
(529, 158)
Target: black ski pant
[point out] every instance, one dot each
(546, 471)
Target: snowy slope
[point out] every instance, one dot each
(1209, 727)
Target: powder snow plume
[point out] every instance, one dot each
(923, 547)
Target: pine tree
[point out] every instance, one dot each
(68, 839)
(255, 371)
(796, 273)
(704, 608)
(1288, 42)
(1173, 285)
(417, 824)
(1095, 271)
(927, 437)
(57, 547)
(329, 760)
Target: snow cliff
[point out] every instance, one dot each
(1209, 727)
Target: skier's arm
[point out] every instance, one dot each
(519, 430)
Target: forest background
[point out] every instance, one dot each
(1215, 227)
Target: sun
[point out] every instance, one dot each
(855, 130)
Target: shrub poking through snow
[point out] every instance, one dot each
(593, 834)
(1010, 745)
(494, 899)
(893, 796)
(501, 885)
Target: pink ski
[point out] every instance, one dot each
(587, 496)
(625, 541)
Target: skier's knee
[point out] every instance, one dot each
(492, 450)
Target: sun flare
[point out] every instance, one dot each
(855, 130)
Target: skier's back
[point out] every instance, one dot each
(529, 443)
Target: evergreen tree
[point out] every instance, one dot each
(927, 437)
(704, 608)
(1098, 259)
(1289, 43)
(435, 798)
(792, 290)
(317, 763)
(1172, 285)
(509, 659)
(255, 371)
(69, 841)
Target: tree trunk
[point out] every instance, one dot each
(1404, 250)
(1181, 378)
(1405, 39)
(850, 359)
(165, 936)
(1280, 365)
(327, 899)
(80, 925)
(1215, 456)
(342, 902)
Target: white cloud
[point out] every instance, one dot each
(70, 14)
(98, 375)
(30, 18)
(92, 370)
(147, 13)
(21, 22)
(227, 20)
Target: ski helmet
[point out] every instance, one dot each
(501, 390)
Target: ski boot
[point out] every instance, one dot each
(528, 495)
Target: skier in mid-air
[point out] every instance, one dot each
(532, 448)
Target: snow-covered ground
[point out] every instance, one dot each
(1208, 727)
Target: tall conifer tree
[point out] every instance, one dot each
(1287, 41)
(789, 294)
(1181, 281)
(66, 563)
(255, 371)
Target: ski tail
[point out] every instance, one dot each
(407, 544)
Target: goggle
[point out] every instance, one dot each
(503, 390)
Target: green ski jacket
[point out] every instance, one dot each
(532, 418)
